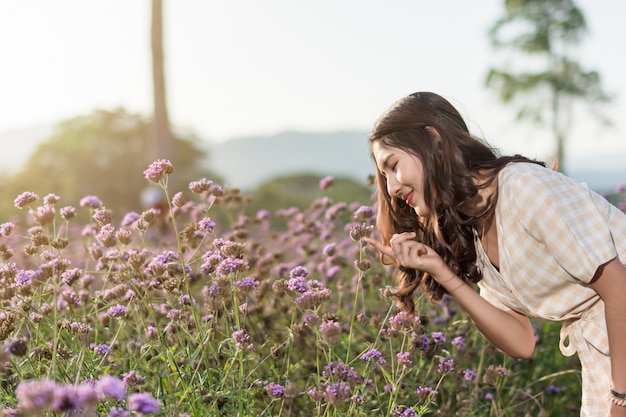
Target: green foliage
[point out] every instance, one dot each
(546, 26)
(102, 154)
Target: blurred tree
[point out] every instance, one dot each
(103, 154)
(546, 30)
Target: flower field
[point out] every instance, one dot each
(171, 312)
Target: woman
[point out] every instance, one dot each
(452, 213)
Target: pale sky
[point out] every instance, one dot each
(248, 67)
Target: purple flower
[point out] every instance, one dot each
(275, 390)
(337, 393)
(310, 320)
(18, 347)
(334, 211)
(326, 182)
(553, 389)
(424, 342)
(106, 236)
(51, 199)
(241, 338)
(403, 358)
(35, 396)
(102, 216)
(116, 311)
(299, 272)
(173, 314)
(262, 215)
(119, 412)
(111, 387)
(313, 298)
(358, 399)
(102, 349)
(198, 187)
(130, 218)
(68, 212)
(143, 403)
(342, 371)
(66, 399)
(438, 337)
(459, 342)
(178, 200)
(151, 332)
(6, 229)
(24, 277)
(133, 378)
(488, 396)
(330, 331)
(404, 321)
(298, 284)
(373, 354)
(230, 265)
(407, 412)
(215, 290)
(330, 249)
(91, 201)
(71, 275)
(425, 392)
(206, 224)
(445, 366)
(246, 285)
(87, 394)
(158, 170)
(469, 375)
(363, 213)
(25, 199)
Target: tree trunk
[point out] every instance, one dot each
(163, 139)
(557, 130)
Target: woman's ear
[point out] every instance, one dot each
(434, 132)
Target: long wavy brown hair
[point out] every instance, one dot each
(455, 165)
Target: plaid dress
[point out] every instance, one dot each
(553, 233)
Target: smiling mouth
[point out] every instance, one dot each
(407, 198)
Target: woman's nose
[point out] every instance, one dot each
(392, 186)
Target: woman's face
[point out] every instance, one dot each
(404, 173)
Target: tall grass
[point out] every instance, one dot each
(168, 313)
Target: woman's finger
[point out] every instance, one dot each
(382, 248)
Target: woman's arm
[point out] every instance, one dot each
(509, 331)
(610, 284)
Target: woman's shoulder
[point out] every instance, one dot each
(534, 181)
(523, 171)
(521, 168)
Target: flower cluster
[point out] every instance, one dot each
(36, 396)
(211, 307)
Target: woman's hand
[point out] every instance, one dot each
(412, 254)
(510, 331)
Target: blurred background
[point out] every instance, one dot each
(267, 96)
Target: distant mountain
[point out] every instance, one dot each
(250, 161)
(247, 162)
